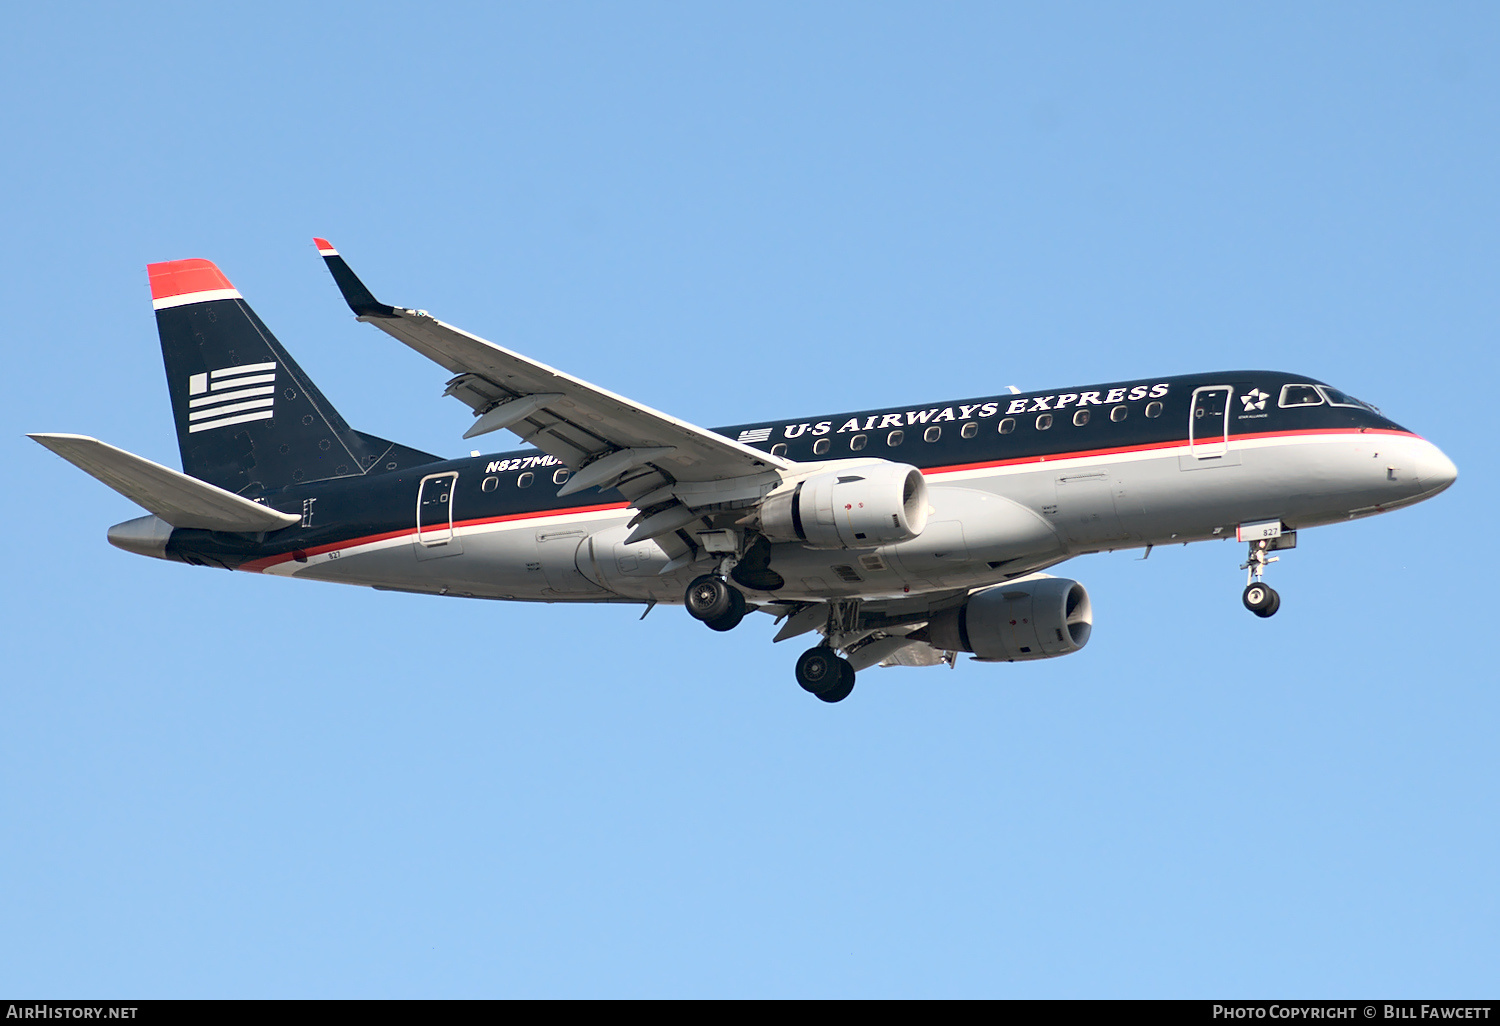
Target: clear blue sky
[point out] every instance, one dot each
(230, 785)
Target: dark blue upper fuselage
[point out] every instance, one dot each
(930, 436)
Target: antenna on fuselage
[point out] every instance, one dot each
(1013, 390)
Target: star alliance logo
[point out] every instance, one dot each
(1254, 400)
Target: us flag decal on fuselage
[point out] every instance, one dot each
(231, 395)
(754, 435)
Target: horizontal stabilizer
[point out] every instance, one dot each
(176, 498)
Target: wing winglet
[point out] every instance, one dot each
(360, 299)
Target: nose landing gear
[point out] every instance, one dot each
(1260, 598)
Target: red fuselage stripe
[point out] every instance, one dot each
(370, 539)
(1083, 454)
(257, 565)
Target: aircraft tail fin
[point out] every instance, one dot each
(248, 418)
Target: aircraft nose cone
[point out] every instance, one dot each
(1435, 470)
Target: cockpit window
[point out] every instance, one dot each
(1337, 398)
(1300, 395)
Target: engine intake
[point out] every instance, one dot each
(1031, 618)
(857, 507)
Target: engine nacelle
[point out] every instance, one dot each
(856, 507)
(1030, 618)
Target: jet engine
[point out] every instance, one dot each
(855, 507)
(1035, 617)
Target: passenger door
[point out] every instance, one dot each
(1208, 422)
(435, 537)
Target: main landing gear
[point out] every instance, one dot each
(1260, 598)
(821, 671)
(710, 598)
(824, 673)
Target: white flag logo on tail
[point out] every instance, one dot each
(231, 395)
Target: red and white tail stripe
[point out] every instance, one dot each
(325, 248)
(180, 282)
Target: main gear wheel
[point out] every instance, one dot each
(825, 674)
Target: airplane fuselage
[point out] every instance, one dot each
(1016, 483)
(901, 536)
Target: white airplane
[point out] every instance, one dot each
(903, 536)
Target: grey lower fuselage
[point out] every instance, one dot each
(986, 524)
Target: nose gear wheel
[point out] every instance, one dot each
(1262, 599)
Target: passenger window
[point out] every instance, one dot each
(1043, 422)
(1153, 409)
(1080, 418)
(524, 481)
(490, 484)
(1007, 425)
(1119, 413)
(1300, 395)
(561, 476)
(858, 442)
(970, 430)
(779, 449)
(895, 438)
(821, 446)
(932, 434)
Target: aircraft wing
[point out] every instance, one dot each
(606, 439)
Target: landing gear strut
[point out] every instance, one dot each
(1260, 598)
(711, 599)
(824, 673)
